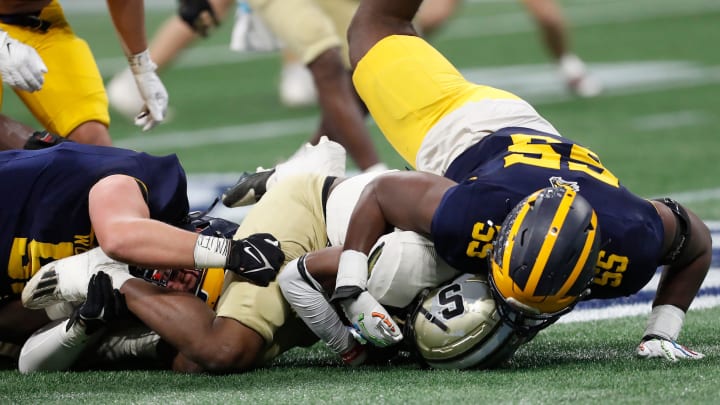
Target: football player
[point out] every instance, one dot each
(67, 199)
(40, 55)
(491, 168)
(251, 324)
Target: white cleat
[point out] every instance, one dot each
(326, 158)
(297, 87)
(579, 81)
(124, 96)
(66, 280)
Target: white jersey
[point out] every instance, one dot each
(402, 263)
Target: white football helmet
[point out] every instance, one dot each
(457, 326)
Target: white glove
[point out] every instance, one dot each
(151, 89)
(371, 320)
(666, 349)
(20, 65)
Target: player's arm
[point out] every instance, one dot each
(688, 252)
(121, 220)
(406, 200)
(128, 16)
(305, 283)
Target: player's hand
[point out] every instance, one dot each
(655, 346)
(103, 304)
(43, 139)
(199, 15)
(257, 258)
(151, 90)
(20, 65)
(371, 320)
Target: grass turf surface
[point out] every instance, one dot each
(659, 138)
(583, 362)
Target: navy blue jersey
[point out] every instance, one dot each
(499, 171)
(44, 205)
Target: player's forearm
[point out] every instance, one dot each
(128, 17)
(13, 134)
(679, 286)
(151, 244)
(306, 296)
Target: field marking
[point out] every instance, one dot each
(671, 120)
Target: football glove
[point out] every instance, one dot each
(199, 15)
(371, 320)
(21, 66)
(151, 90)
(257, 258)
(103, 304)
(656, 346)
(43, 139)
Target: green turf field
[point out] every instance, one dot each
(655, 127)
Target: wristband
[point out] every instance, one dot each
(352, 270)
(141, 62)
(665, 321)
(211, 251)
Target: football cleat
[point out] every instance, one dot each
(66, 280)
(579, 81)
(248, 190)
(326, 158)
(124, 96)
(297, 86)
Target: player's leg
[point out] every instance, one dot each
(13, 134)
(306, 29)
(18, 323)
(433, 14)
(549, 18)
(425, 108)
(72, 102)
(173, 36)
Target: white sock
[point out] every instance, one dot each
(54, 347)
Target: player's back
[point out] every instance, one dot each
(505, 167)
(44, 209)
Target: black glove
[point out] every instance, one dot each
(103, 304)
(257, 258)
(199, 15)
(42, 140)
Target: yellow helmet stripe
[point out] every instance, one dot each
(550, 239)
(514, 231)
(582, 260)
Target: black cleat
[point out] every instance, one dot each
(248, 190)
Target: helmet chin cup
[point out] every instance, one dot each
(524, 319)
